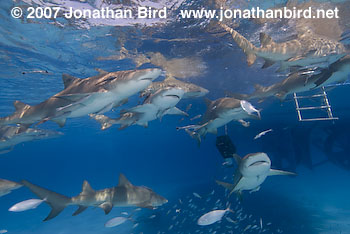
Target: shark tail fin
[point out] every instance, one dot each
(247, 47)
(56, 201)
(105, 121)
(279, 172)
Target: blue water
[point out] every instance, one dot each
(159, 157)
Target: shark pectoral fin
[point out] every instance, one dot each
(268, 63)
(279, 172)
(68, 80)
(176, 111)
(228, 186)
(106, 207)
(255, 190)
(79, 210)
(60, 122)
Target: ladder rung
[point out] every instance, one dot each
(313, 108)
(312, 96)
(319, 119)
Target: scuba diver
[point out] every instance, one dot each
(226, 148)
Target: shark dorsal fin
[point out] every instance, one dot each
(123, 181)
(170, 78)
(68, 80)
(20, 105)
(207, 101)
(265, 39)
(87, 189)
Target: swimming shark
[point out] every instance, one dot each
(13, 135)
(80, 97)
(124, 194)
(251, 172)
(6, 186)
(191, 90)
(221, 112)
(301, 81)
(156, 105)
(307, 49)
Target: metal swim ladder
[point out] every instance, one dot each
(324, 106)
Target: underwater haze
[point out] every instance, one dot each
(162, 121)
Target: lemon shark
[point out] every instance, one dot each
(124, 194)
(307, 49)
(6, 186)
(302, 81)
(80, 97)
(155, 106)
(13, 135)
(221, 112)
(191, 90)
(251, 172)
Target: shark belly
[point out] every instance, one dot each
(250, 183)
(95, 104)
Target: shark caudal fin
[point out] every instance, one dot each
(105, 121)
(56, 201)
(247, 47)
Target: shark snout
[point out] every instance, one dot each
(150, 74)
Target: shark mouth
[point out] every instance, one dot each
(147, 78)
(258, 163)
(173, 95)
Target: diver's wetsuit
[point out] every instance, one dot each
(226, 149)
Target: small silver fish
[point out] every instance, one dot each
(197, 195)
(3, 231)
(196, 117)
(212, 217)
(262, 134)
(26, 205)
(115, 222)
(188, 107)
